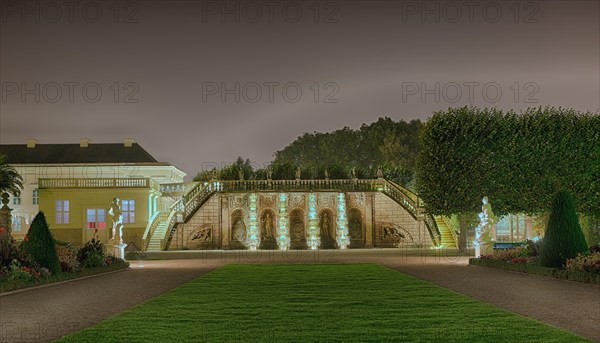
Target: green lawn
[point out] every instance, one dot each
(320, 302)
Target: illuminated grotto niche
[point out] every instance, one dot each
(252, 234)
(313, 229)
(342, 236)
(283, 230)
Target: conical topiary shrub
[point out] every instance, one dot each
(563, 238)
(40, 244)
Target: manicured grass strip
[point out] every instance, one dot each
(320, 302)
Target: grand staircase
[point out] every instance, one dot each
(157, 236)
(161, 226)
(448, 238)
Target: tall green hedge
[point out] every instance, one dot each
(518, 160)
(40, 244)
(564, 238)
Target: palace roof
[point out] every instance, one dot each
(75, 153)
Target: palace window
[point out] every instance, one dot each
(96, 218)
(16, 200)
(128, 209)
(62, 211)
(17, 223)
(36, 197)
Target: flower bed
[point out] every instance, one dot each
(25, 282)
(40, 259)
(583, 268)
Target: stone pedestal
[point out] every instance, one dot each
(118, 250)
(5, 219)
(299, 244)
(268, 243)
(482, 248)
(328, 243)
(477, 250)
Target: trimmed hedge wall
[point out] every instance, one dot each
(562, 274)
(518, 160)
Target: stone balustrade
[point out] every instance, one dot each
(98, 183)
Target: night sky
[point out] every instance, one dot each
(196, 83)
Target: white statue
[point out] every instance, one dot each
(487, 219)
(117, 221)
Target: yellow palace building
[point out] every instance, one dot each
(74, 185)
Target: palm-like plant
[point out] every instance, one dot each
(10, 181)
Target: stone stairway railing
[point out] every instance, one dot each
(451, 229)
(200, 192)
(187, 206)
(433, 229)
(413, 205)
(156, 219)
(176, 216)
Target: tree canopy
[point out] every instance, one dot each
(393, 145)
(10, 180)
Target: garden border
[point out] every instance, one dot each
(562, 274)
(18, 286)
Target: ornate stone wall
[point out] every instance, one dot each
(203, 230)
(373, 220)
(394, 226)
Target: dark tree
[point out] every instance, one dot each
(563, 238)
(40, 244)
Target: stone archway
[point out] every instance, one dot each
(297, 230)
(355, 229)
(238, 230)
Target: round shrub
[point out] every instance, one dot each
(563, 239)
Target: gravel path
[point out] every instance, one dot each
(50, 312)
(565, 304)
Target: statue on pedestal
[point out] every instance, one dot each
(298, 173)
(327, 239)
(268, 226)
(268, 240)
(379, 172)
(325, 225)
(487, 219)
(5, 219)
(116, 239)
(117, 221)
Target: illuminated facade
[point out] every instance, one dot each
(292, 214)
(74, 184)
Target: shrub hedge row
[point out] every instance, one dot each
(577, 276)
